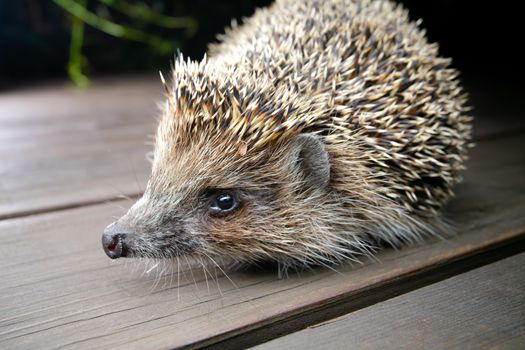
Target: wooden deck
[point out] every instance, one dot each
(68, 159)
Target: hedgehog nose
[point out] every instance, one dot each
(114, 241)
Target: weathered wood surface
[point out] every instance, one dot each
(61, 147)
(480, 309)
(59, 290)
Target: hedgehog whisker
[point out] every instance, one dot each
(223, 272)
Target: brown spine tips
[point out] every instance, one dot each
(164, 84)
(169, 95)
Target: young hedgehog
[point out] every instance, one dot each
(314, 133)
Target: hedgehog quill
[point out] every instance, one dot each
(312, 134)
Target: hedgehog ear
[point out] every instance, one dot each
(312, 158)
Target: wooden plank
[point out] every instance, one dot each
(59, 290)
(62, 147)
(480, 309)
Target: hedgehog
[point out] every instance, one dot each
(313, 134)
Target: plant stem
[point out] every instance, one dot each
(117, 30)
(144, 13)
(74, 66)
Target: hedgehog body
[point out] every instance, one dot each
(328, 126)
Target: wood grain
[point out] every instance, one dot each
(61, 147)
(480, 309)
(59, 290)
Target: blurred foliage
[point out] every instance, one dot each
(44, 39)
(140, 12)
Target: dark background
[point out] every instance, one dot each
(483, 38)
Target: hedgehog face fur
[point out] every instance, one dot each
(179, 212)
(314, 131)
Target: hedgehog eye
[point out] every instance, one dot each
(222, 202)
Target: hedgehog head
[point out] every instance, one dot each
(232, 176)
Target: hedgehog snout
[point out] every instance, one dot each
(115, 240)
